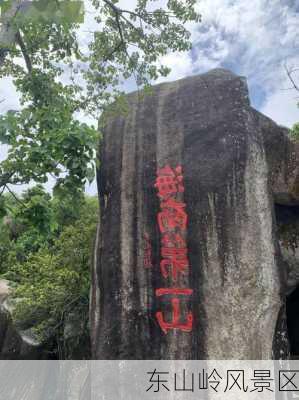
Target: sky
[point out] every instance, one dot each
(253, 38)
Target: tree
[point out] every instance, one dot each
(292, 73)
(46, 254)
(58, 78)
(295, 131)
(12, 11)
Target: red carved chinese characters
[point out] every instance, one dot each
(175, 302)
(172, 222)
(169, 182)
(175, 260)
(172, 216)
(147, 252)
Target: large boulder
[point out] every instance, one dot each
(187, 263)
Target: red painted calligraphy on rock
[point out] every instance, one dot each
(175, 262)
(172, 216)
(176, 322)
(169, 182)
(172, 222)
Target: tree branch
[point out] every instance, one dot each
(289, 73)
(7, 29)
(4, 180)
(15, 197)
(21, 43)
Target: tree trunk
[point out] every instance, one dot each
(7, 28)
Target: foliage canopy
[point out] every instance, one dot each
(46, 247)
(59, 78)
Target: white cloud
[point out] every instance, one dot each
(3, 151)
(282, 107)
(180, 64)
(255, 35)
(9, 99)
(254, 38)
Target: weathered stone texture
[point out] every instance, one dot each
(233, 161)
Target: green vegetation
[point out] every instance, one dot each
(295, 132)
(45, 252)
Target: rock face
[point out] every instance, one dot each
(288, 233)
(187, 264)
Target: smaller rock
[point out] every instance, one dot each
(291, 257)
(287, 218)
(14, 344)
(4, 290)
